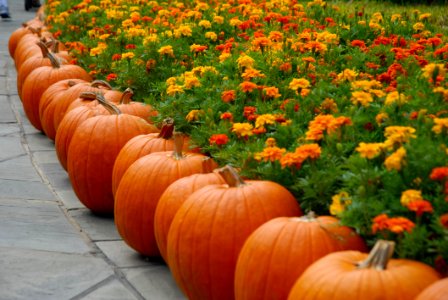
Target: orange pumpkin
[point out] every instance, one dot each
(210, 228)
(142, 145)
(436, 291)
(92, 152)
(141, 187)
(279, 251)
(26, 28)
(27, 46)
(350, 275)
(173, 198)
(135, 108)
(40, 79)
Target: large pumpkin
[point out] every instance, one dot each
(279, 251)
(173, 198)
(142, 145)
(27, 47)
(210, 228)
(92, 152)
(40, 79)
(139, 109)
(436, 291)
(141, 187)
(25, 29)
(350, 275)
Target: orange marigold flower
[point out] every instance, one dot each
(250, 73)
(312, 151)
(111, 77)
(444, 220)
(270, 154)
(420, 206)
(400, 224)
(292, 159)
(271, 92)
(226, 116)
(379, 223)
(439, 173)
(219, 139)
(228, 96)
(247, 86)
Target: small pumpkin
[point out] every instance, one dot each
(350, 275)
(144, 111)
(27, 46)
(279, 251)
(173, 198)
(211, 226)
(436, 291)
(141, 187)
(92, 153)
(16, 35)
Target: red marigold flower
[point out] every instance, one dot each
(219, 139)
(249, 111)
(358, 43)
(111, 77)
(116, 56)
(379, 223)
(130, 46)
(444, 220)
(420, 206)
(439, 173)
(227, 116)
(400, 224)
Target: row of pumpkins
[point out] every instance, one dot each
(223, 237)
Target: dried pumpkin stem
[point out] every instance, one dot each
(167, 129)
(309, 217)
(71, 83)
(43, 48)
(87, 95)
(379, 256)
(231, 176)
(101, 83)
(178, 145)
(55, 63)
(127, 95)
(112, 109)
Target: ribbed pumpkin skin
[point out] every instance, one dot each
(39, 80)
(336, 277)
(27, 67)
(92, 153)
(436, 291)
(137, 147)
(53, 94)
(139, 191)
(172, 199)
(68, 127)
(210, 228)
(279, 251)
(20, 32)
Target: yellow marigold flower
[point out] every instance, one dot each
(327, 37)
(300, 83)
(193, 115)
(362, 23)
(127, 23)
(370, 150)
(434, 70)
(134, 32)
(439, 125)
(398, 135)
(185, 30)
(245, 61)
(191, 82)
(395, 17)
(270, 154)
(242, 129)
(166, 50)
(365, 85)
(270, 142)
(205, 24)
(224, 56)
(264, 120)
(374, 25)
(218, 19)
(315, 46)
(329, 105)
(409, 196)
(348, 75)
(339, 203)
(395, 97)
(361, 98)
(424, 16)
(419, 26)
(127, 55)
(99, 49)
(395, 160)
(151, 38)
(211, 35)
(174, 89)
(104, 36)
(378, 17)
(381, 118)
(171, 80)
(235, 22)
(250, 73)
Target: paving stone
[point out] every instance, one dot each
(38, 225)
(21, 189)
(113, 290)
(42, 157)
(155, 283)
(31, 274)
(6, 113)
(69, 199)
(98, 228)
(124, 256)
(11, 129)
(3, 88)
(11, 146)
(38, 141)
(19, 168)
(56, 175)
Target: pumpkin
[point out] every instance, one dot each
(141, 187)
(40, 79)
(92, 152)
(135, 108)
(279, 251)
(70, 123)
(16, 35)
(436, 291)
(27, 46)
(142, 145)
(173, 198)
(211, 226)
(348, 275)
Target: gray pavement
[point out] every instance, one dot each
(51, 246)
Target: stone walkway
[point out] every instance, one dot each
(51, 246)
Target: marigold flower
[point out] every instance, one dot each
(444, 220)
(439, 173)
(174, 89)
(191, 82)
(247, 86)
(127, 55)
(397, 135)
(311, 151)
(198, 48)
(339, 203)
(219, 139)
(205, 24)
(166, 50)
(381, 118)
(396, 225)
(250, 73)
(395, 160)
(409, 196)
(300, 83)
(370, 150)
(226, 116)
(433, 70)
(270, 154)
(245, 61)
(211, 35)
(111, 77)
(228, 96)
(292, 159)
(116, 57)
(439, 125)
(362, 98)
(420, 206)
(271, 92)
(193, 115)
(242, 129)
(270, 142)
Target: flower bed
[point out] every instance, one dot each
(347, 110)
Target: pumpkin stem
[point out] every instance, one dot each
(101, 83)
(178, 145)
(71, 83)
(87, 95)
(167, 129)
(379, 256)
(55, 63)
(231, 176)
(309, 217)
(112, 109)
(126, 97)
(43, 48)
